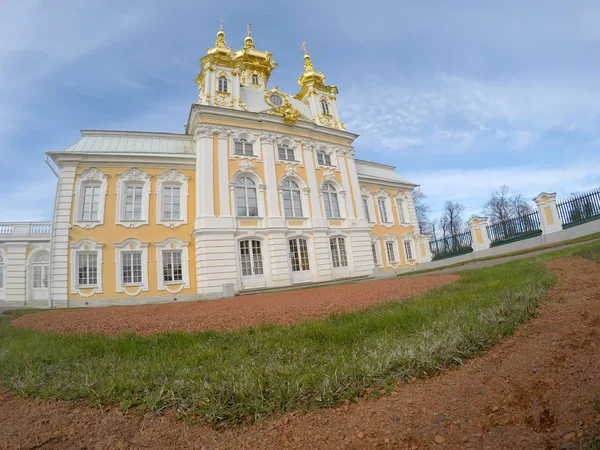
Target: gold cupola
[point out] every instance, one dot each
(220, 52)
(312, 79)
(257, 65)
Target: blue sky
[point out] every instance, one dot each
(461, 96)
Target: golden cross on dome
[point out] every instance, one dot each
(304, 48)
(248, 32)
(221, 26)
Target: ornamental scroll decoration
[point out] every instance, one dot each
(329, 175)
(291, 171)
(246, 166)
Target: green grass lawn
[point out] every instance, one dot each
(230, 377)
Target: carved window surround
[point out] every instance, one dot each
(131, 245)
(172, 178)
(90, 177)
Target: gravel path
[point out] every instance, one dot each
(535, 390)
(238, 312)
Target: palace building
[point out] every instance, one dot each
(262, 190)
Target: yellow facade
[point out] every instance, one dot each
(110, 233)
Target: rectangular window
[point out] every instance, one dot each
(323, 159)
(172, 268)
(286, 153)
(131, 267)
(400, 211)
(91, 197)
(87, 269)
(243, 148)
(366, 208)
(133, 203)
(382, 210)
(40, 276)
(408, 251)
(374, 250)
(338, 252)
(171, 207)
(390, 251)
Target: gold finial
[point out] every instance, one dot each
(308, 65)
(221, 36)
(248, 32)
(304, 48)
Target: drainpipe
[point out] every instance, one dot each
(50, 266)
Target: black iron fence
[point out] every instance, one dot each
(451, 246)
(514, 229)
(580, 208)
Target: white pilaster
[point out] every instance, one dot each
(353, 175)
(311, 178)
(274, 217)
(346, 184)
(224, 177)
(205, 211)
(59, 257)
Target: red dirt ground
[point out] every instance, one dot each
(231, 313)
(535, 390)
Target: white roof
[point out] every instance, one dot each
(254, 99)
(132, 142)
(375, 171)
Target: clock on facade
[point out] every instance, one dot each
(276, 99)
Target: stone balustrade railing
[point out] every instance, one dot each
(16, 230)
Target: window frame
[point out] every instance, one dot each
(169, 245)
(172, 179)
(84, 246)
(402, 210)
(339, 252)
(391, 252)
(408, 248)
(327, 200)
(135, 178)
(91, 177)
(246, 187)
(325, 107)
(382, 207)
(286, 149)
(298, 189)
(223, 82)
(252, 77)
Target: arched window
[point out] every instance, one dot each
(254, 78)
(223, 84)
(40, 270)
(330, 199)
(245, 197)
(325, 106)
(323, 159)
(291, 199)
(1, 271)
(243, 147)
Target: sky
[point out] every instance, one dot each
(460, 96)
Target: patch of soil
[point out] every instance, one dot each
(536, 390)
(238, 312)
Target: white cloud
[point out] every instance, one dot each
(458, 114)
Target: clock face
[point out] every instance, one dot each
(276, 99)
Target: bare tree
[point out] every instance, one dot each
(498, 207)
(422, 210)
(519, 206)
(451, 221)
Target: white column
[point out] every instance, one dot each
(479, 234)
(203, 137)
(548, 212)
(223, 170)
(311, 178)
(353, 175)
(274, 218)
(59, 244)
(346, 183)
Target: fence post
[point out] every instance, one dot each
(549, 218)
(478, 226)
(423, 250)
